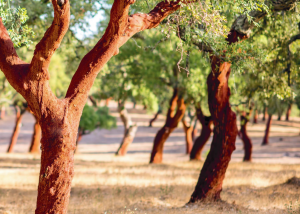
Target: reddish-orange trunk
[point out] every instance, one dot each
(16, 131)
(107, 101)
(210, 181)
(288, 112)
(172, 121)
(245, 138)
(267, 131)
(255, 116)
(188, 130)
(2, 114)
(265, 113)
(200, 141)
(36, 139)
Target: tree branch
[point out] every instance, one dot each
(120, 28)
(14, 69)
(51, 40)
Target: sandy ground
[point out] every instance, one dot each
(104, 183)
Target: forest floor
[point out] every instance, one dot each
(105, 183)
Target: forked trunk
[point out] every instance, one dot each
(36, 139)
(210, 181)
(154, 118)
(172, 121)
(288, 112)
(129, 131)
(188, 130)
(16, 132)
(267, 131)
(255, 116)
(200, 141)
(245, 138)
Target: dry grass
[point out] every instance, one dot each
(114, 187)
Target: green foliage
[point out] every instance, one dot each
(14, 20)
(93, 118)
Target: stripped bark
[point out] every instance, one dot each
(129, 131)
(2, 113)
(59, 118)
(188, 130)
(245, 138)
(267, 131)
(206, 130)
(210, 181)
(36, 139)
(171, 123)
(288, 112)
(16, 132)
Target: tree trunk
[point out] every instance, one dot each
(129, 131)
(79, 137)
(245, 138)
(2, 114)
(200, 141)
(288, 112)
(15, 134)
(57, 163)
(255, 116)
(172, 121)
(210, 181)
(36, 139)
(155, 117)
(107, 101)
(279, 117)
(188, 130)
(267, 131)
(265, 113)
(195, 131)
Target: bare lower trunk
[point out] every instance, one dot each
(107, 101)
(265, 113)
(16, 131)
(188, 130)
(154, 118)
(172, 121)
(246, 139)
(255, 116)
(36, 139)
(210, 181)
(2, 114)
(288, 112)
(129, 131)
(57, 165)
(279, 117)
(206, 130)
(267, 131)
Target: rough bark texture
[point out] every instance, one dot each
(200, 141)
(36, 139)
(172, 121)
(154, 118)
(267, 131)
(188, 130)
(245, 138)
(129, 131)
(288, 112)
(210, 181)
(15, 134)
(59, 118)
